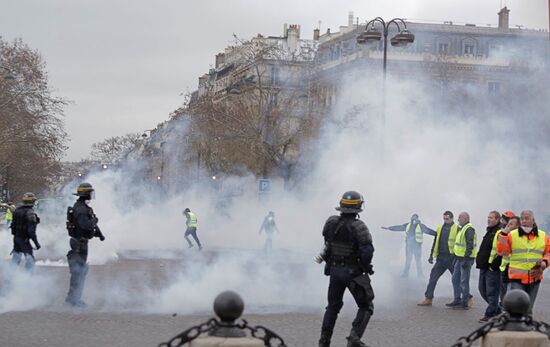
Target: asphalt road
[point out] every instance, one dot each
(126, 321)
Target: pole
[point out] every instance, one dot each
(385, 63)
(8, 182)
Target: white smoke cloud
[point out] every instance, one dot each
(425, 158)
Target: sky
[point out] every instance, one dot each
(125, 64)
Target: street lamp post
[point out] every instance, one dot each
(401, 39)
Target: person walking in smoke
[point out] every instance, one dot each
(82, 227)
(489, 268)
(347, 253)
(414, 231)
(465, 253)
(529, 250)
(23, 229)
(8, 216)
(442, 253)
(270, 227)
(191, 228)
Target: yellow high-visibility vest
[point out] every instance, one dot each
(9, 215)
(192, 222)
(417, 232)
(451, 241)
(460, 243)
(493, 255)
(525, 254)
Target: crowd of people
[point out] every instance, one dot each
(513, 254)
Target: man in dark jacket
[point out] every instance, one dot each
(82, 226)
(348, 255)
(23, 229)
(489, 273)
(443, 253)
(414, 231)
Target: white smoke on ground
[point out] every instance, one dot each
(22, 290)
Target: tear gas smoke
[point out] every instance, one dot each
(426, 158)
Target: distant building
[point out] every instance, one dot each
(489, 58)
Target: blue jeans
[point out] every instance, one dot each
(193, 232)
(489, 288)
(461, 280)
(413, 248)
(29, 260)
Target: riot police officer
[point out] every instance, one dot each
(23, 229)
(347, 255)
(82, 226)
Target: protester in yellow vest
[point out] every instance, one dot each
(465, 253)
(414, 231)
(191, 228)
(508, 222)
(529, 251)
(443, 253)
(8, 216)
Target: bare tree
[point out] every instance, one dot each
(32, 135)
(114, 149)
(262, 116)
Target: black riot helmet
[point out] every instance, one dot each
(28, 199)
(85, 190)
(351, 202)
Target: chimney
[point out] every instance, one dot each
(293, 35)
(504, 18)
(285, 30)
(220, 59)
(350, 19)
(317, 33)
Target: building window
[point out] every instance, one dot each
(443, 48)
(493, 88)
(274, 75)
(469, 48)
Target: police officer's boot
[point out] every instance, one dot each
(324, 341)
(354, 338)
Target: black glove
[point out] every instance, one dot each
(431, 260)
(37, 246)
(101, 238)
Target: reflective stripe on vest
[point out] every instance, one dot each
(460, 244)
(417, 234)
(192, 222)
(524, 255)
(450, 243)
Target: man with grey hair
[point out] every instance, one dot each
(465, 253)
(529, 250)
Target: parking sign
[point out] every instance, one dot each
(264, 186)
